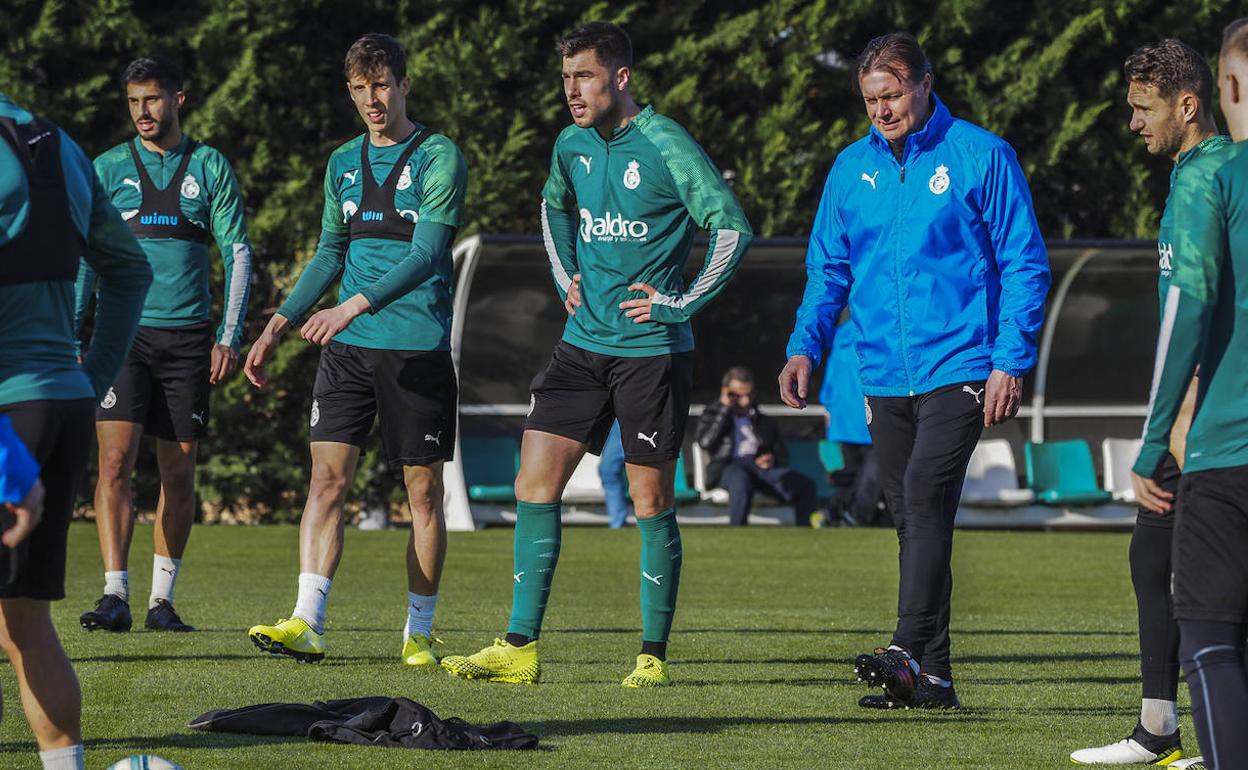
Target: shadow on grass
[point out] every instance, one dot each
(157, 743)
(556, 728)
(871, 632)
(258, 656)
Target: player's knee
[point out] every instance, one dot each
(650, 503)
(425, 500)
(327, 483)
(535, 489)
(114, 465)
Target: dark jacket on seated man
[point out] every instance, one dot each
(715, 435)
(747, 454)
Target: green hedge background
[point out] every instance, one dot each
(764, 86)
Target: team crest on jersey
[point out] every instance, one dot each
(110, 399)
(410, 215)
(939, 181)
(190, 187)
(632, 177)
(405, 179)
(348, 210)
(867, 406)
(316, 413)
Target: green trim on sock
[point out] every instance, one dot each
(536, 552)
(661, 557)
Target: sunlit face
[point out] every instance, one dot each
(379, 98)
(592, 90)
(153, 109)
(896, 108)
(1157, 120)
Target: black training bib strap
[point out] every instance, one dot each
(376, 216)
(160, 212)
(51, 245)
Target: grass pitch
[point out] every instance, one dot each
(1045, 652)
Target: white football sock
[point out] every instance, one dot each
(419, 615)
(164, 575)
(118, 584)
(1159, 717)
(938, 681)
(68, 758)
(313, 596)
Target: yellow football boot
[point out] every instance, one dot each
(293, 637)
(418, 651)
(500, 662)
(650, 672)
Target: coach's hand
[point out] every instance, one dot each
(27, 514)
(639, 309)
(322, 326)
(1149, 494)
(573, 300)
(1003, 394)
(224, 362)
(795, 381)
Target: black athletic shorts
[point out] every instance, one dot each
(579, 394)
(413, 393)
(58, 434)
(163, 385)
(1210, 551)
(1167, 477)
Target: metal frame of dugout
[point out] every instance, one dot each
(1091, 380)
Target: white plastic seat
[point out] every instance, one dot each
(585, 486)
(992, 477)
(1118, 455)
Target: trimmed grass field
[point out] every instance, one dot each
(770, 619)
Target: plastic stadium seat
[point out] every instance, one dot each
(806, 456)
(684, 492)
(1062, 473)
(1118, 455)
(992, 477)
(585, 486)
(831, 456)
(490, 465)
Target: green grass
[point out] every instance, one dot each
(1044, 651)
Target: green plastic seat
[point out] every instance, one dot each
(490, 466)
(684, 492)
(831, 455)
(806, 457)
(1062, 473)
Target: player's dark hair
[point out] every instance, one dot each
(608, 41)
(1235, 38)
(897, 53)
(1172, 67)
(372, 54)
(738, 373)
(166, 72)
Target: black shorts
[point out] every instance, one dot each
(1210, 552)
(58, 434)
(163, 384)
(579, 394)
(1167, 477)
(412, 392)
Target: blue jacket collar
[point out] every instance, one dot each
(933, 130)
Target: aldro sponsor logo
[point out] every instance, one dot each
(612, 228)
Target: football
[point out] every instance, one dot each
(144, 762)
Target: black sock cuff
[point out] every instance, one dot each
(657, 649)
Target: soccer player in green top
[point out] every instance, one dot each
(177, 195)
(1205, 323)
(627, 189)
(1170, 92)
(394, 198)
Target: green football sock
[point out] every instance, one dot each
(536, 554)
(660, 574)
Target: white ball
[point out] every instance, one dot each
(143, 762)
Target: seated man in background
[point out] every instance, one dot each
(747, 453)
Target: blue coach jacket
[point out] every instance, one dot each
(939, 257)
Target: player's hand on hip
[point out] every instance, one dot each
(639, 309)
(573, 300)
(224, 363)
(795, 381)
(26, 515)
(322, 326)
(1149, 494)
(1003, 394)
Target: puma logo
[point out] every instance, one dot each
(435, 439)
(166, 569)
(517, 576)
(652, 578)
(586, 161)
(199, 417)
(137, 185)
(870, 179)
(973, 392)
(649, 439)
(351, 175)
